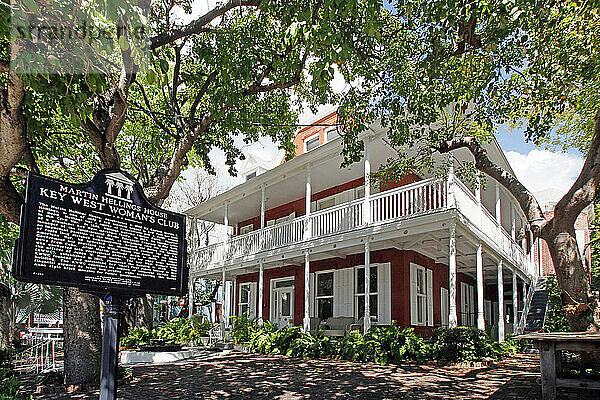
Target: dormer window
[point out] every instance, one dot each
(331, 134)
(251, 175)
(311, 142)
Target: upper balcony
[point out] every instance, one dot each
(405, 216)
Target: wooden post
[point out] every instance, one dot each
(480, 316)
(306, 322)
(515, 301)
(308, 195)
(498, 205)
(262, 206)
(261, 288)
(367, 184)
(367, 316)
(452, 317)
(548, 369)
(500, 303)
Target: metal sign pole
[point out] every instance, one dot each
(110, 347)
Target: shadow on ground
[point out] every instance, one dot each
(244, 376)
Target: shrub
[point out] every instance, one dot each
(243, 327)
(556, 318)
(263, 339)
(9, 385)
(462, 344)
(135, 338)
(312, 346)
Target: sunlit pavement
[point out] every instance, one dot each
(244, 376)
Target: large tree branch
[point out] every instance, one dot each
(527, 201)
(160, 184)
(199, 95)
(584, 189)
(199, 24)
(258, 87)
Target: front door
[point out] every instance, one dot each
(283, 303)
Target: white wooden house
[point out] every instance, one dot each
(440, 253)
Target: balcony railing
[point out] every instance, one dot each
(404, 202)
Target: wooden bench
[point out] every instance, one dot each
(550, 345)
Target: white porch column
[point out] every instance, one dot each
(452, 317)
(478, 197)
(515, 299)
(223, 304)
(308, 198)
(262, 206)
(261, 288)
(500, 303)
(234, 297)
(226, 220)
(498, 205)
(451, 198)
(367, 316)
(524, 293)
(367, 184)
(191, 298)
(306, 321)
(480, 316)
(513, 221)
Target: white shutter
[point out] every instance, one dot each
(343, 292)
(252, 296)
(444, 306)
(311, 295)
(472, 305)
(413, 294)
(429, 297)
(384, 294)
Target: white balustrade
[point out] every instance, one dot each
(408, 201)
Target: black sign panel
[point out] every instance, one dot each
(102, 236)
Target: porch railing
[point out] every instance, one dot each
(526, 305)
(408, 201)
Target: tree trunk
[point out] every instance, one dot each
(4, 322)
(137, 313)
(83, 342)
(580, 306)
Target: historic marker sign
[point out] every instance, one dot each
(102, 236)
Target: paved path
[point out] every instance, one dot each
(246, 376)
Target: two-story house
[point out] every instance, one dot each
(438, 252)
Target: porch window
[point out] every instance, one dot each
(421, 295)
(247, 300)
(360, 292)
(467, 304)
(324, 295)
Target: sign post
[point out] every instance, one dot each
(103, 237)
(110, 347)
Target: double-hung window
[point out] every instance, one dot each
(421, 295)
(324, 295)
(360, 292)
(247, 300)
(311, 142)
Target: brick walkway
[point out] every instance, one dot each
(243, 376)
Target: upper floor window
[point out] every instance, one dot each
(251, 175)
(331, 134)
(311, 142)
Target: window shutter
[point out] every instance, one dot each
(472, 305)
(311, 295)
(252, 313)
(384, 294)
(343, 292)
(444, 306)
(429, 297)
(413, 294)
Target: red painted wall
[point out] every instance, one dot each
(400, 285)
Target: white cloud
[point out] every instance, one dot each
(542, 169)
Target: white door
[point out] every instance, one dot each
(282, 302)
(284, 307)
